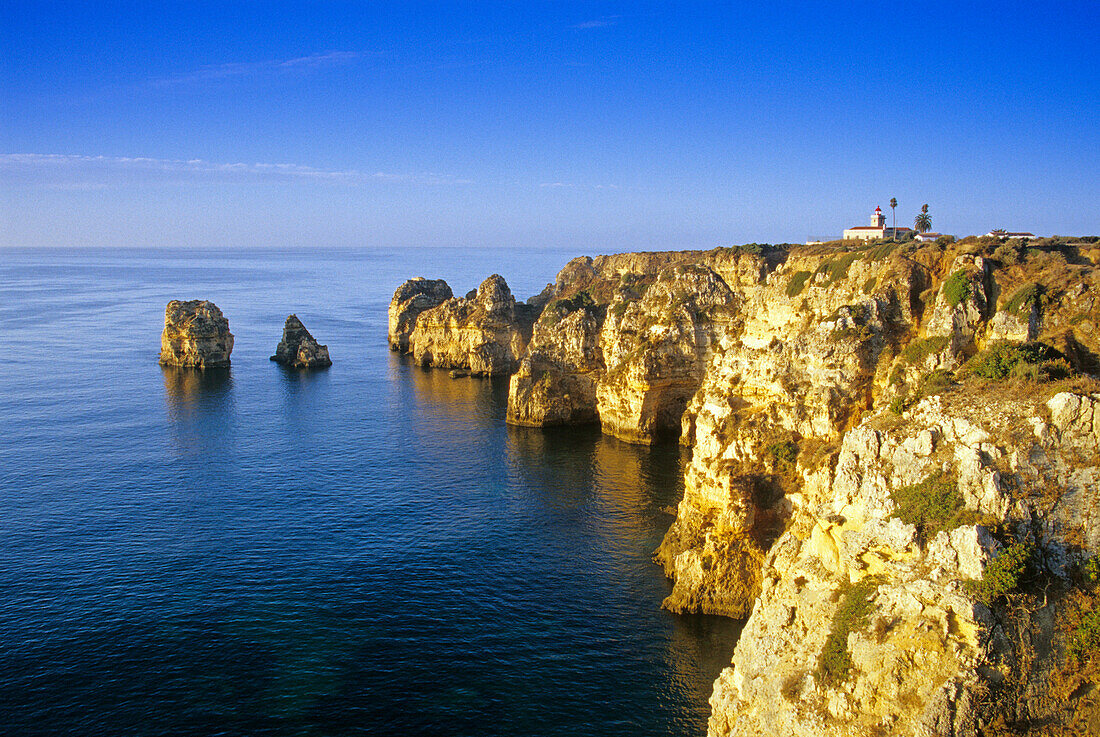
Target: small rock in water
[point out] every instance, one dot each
(298, 349)
(460, 374)
(195, 334)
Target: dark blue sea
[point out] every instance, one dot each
(367, 549)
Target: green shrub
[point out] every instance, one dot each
(1007, 254)
(936, 382)
(784, 451)
(957, 288)
(932, 505)
(1003, 358)
(1091, 569)
(1085, 641)
(1001, 575)
(760, 249)
(869, 285)
(898, 405)
(556, 310)
(1024, 298)
(918, 350)
(835, 663)
(797, 283)
(897, 376)
(881, 251)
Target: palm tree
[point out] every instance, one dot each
(894, 212)
(923, 222)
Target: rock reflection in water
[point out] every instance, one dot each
(432, 395)
(619, 497)
(199, 404)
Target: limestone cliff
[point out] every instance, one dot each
(555, 383)
(897, 601)
(409, 300)
(655, 350)
(624, 340)
(485, 333)
(299, 349)
(894, 470)
(195, 334)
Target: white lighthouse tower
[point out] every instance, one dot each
(878, 220)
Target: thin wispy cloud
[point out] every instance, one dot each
(604, 22)
(72, 171)
(571, 185)
(245, 69)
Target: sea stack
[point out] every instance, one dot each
(298, 349)
(195, 334)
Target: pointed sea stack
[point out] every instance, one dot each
(195, 334)
(298, 349)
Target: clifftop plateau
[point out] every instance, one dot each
(894, 473)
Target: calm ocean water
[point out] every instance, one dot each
(363, 550)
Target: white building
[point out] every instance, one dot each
(999, 233)
(926, 237)
(877, 229)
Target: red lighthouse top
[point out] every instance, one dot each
(878, 209)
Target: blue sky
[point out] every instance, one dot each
(604, 126)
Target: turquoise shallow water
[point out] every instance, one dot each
(367, 549)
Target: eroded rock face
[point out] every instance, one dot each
(298, 349)
(195, 334)
(929, 657)
(655, 350)
(410, 299)
(796, 371)
(622, 340)
(485, 335)
(556, 380)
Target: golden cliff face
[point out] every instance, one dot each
(485, 335)
(881, 436)
(933, 650)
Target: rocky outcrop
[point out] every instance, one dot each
(298, 349)
(798, 370)
(623, 340)
(931, 648)
(410, 299)
(486, 334)
(195, 334)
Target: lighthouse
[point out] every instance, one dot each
(877, 229)
(878, 220)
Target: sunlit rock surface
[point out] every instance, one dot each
(195, 334)
(485, 334)
(409, 300)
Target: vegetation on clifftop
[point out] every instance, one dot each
(856, 604)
